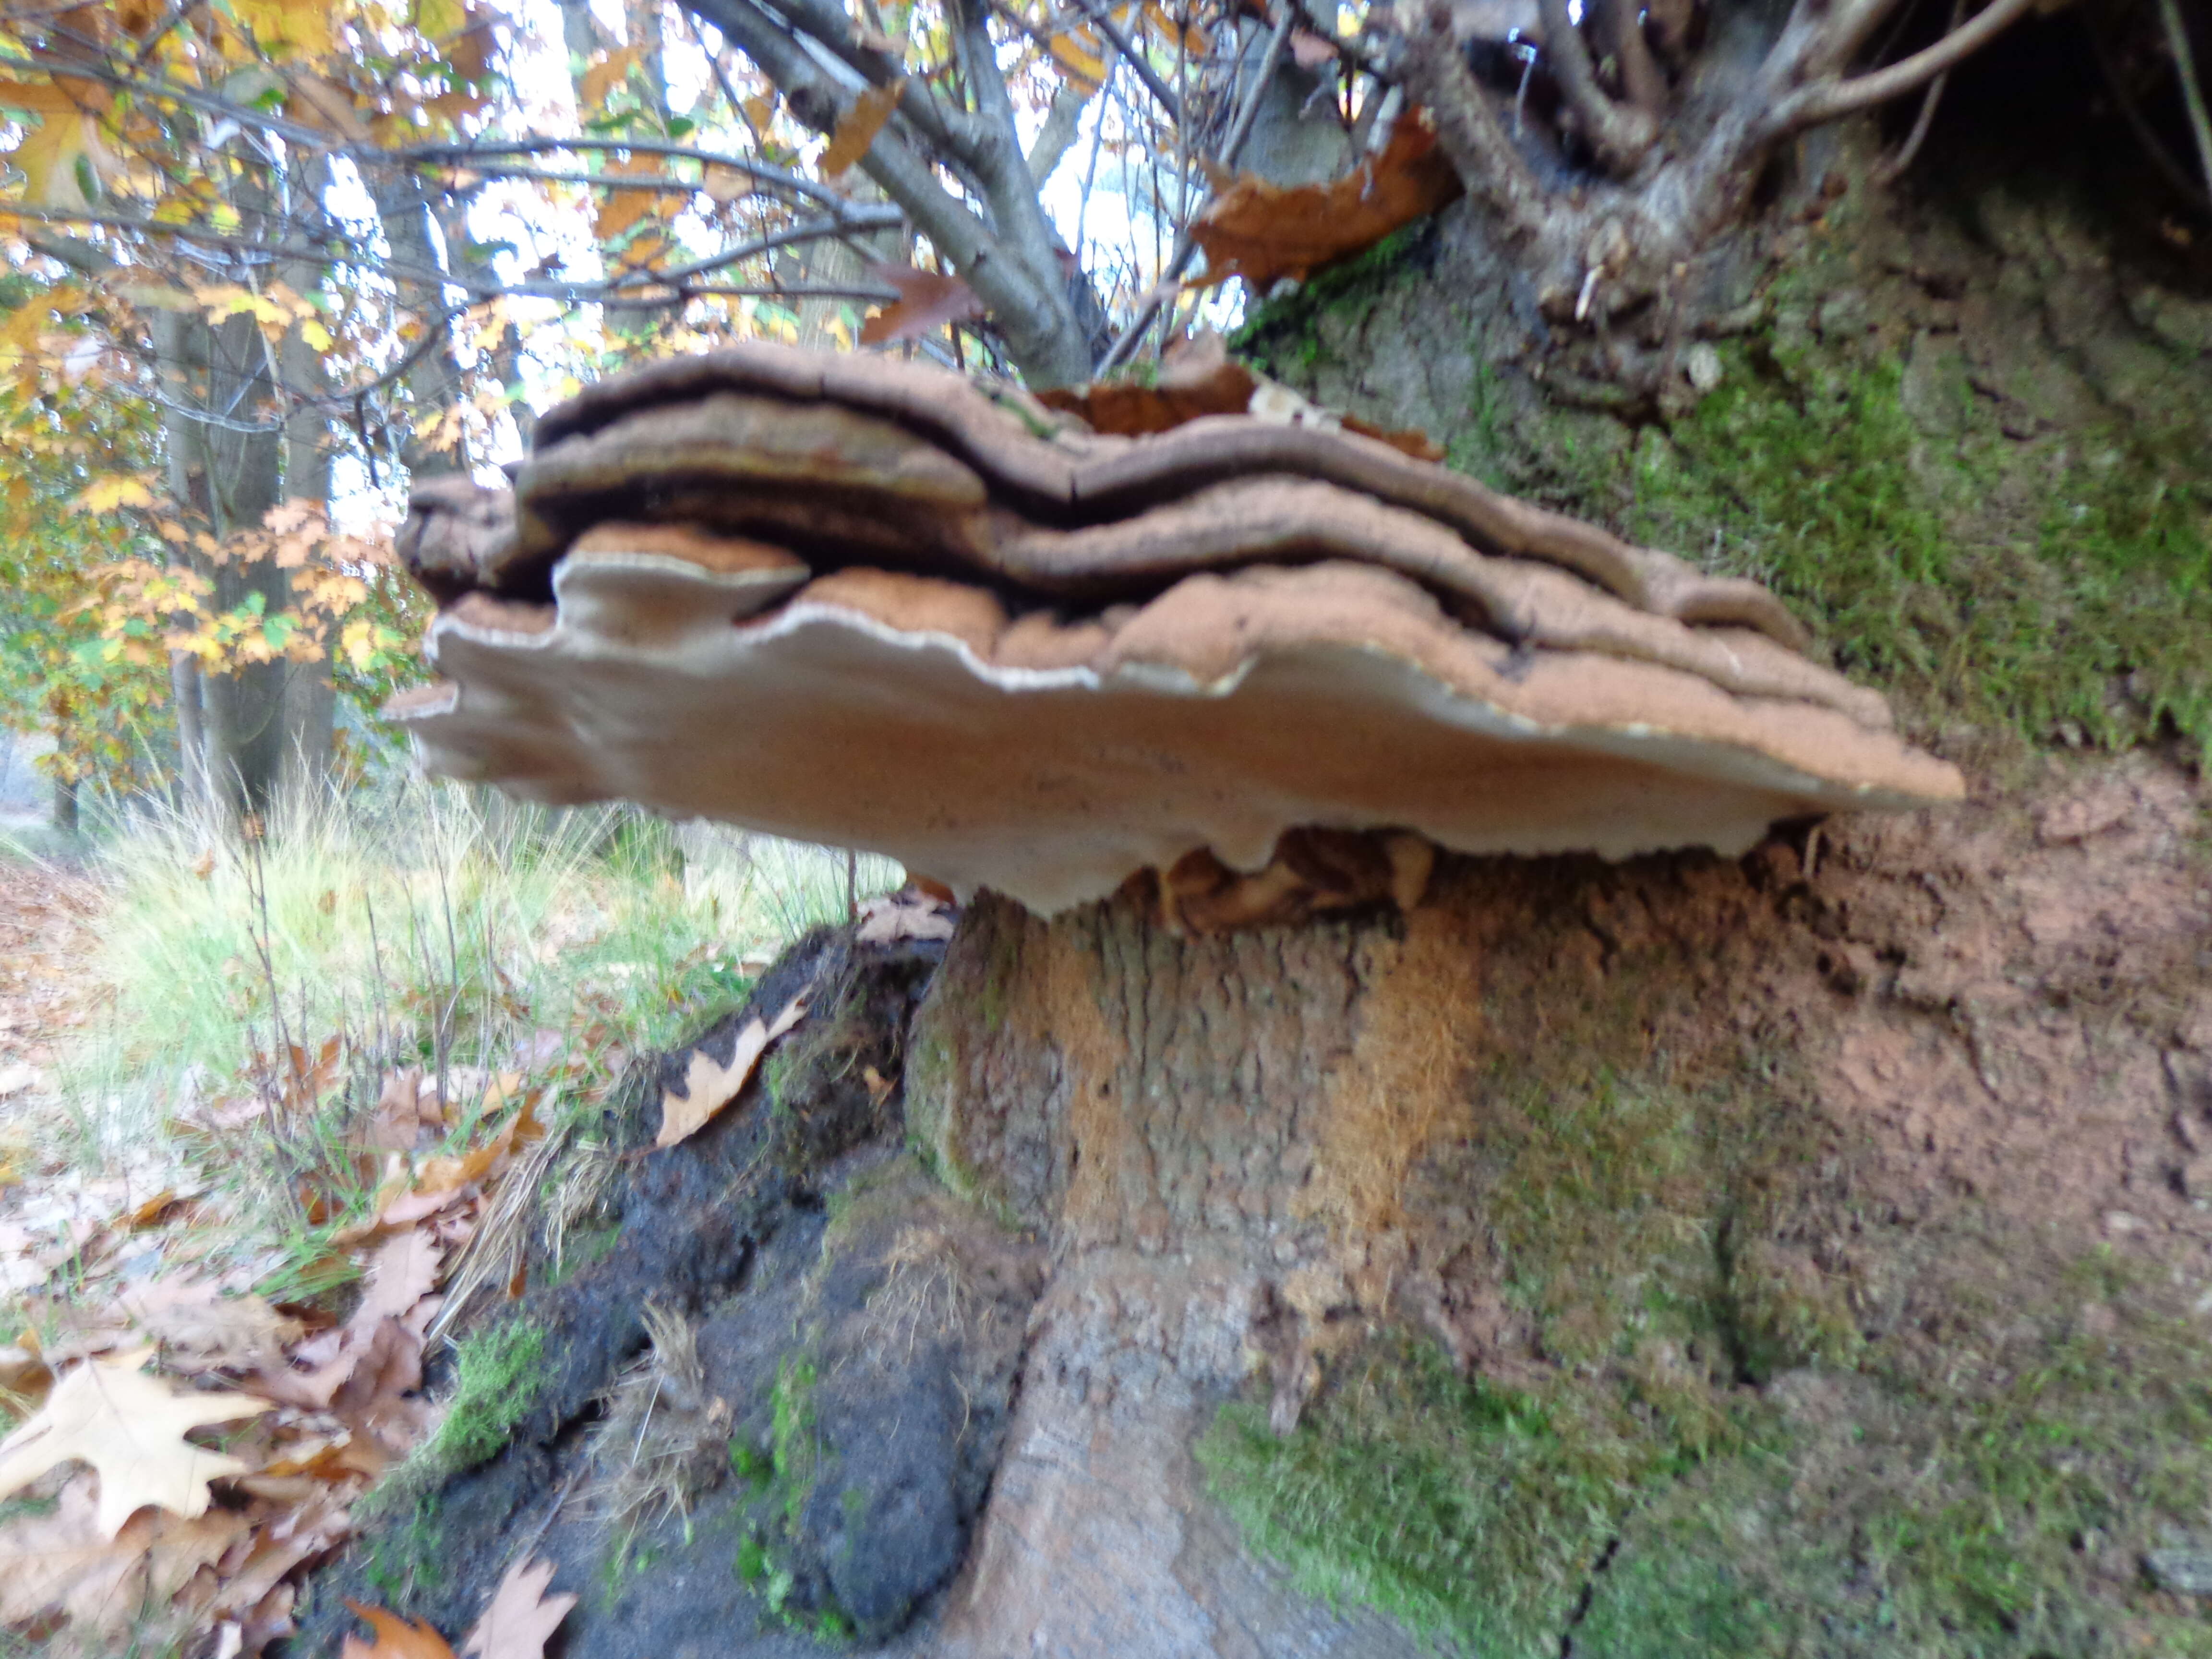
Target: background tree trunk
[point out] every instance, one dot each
(225, 449)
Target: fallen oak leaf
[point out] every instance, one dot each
(710, 1085)
(1197, 378)
(64, 1563)
(1264, 233)
(522, 1617)
(440, 1175)
(402, 1272)
(201, 1328)
(407, 1106)
(129, 1427)
(928, 301)
(396, 1637)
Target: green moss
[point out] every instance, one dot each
(408, 1557)
(497, 1377)
(795, 1447)
(1466, 1511)
(1908, 1517)
(1285, 334)
(2062, 596)
(1955, 1519)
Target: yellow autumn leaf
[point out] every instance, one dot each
(315, 335)
(358, 643)
(49, 157)
(608, 70)
(858, 127)
(117, 489)
(1081, 54)
(436, 19)
(286, 25)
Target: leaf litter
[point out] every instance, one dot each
(149, 1534)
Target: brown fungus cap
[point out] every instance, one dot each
(867, 603)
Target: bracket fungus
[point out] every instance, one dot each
(854, 600)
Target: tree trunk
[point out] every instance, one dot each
(1641, 1151)
(309, 713)
(1158, 1107)
(1684, 1253)
(225, 449)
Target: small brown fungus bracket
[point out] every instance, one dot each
(864, 602)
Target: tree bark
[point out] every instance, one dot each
(1160, 1108)
(225, 459)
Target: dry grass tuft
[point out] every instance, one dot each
(665, 1439)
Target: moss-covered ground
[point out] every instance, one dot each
(1716, 1449)
(1737, 1403)
(2079, 612)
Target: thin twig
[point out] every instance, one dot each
(1103, 21)
(2192, 95)
(1893, 169)
(2146, 135)
(1187, 244)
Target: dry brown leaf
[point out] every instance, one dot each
(439, 1175)
(64, 1563)
(604, 76)
(624, 207)
(1264, 233)
(279, 1544)
(407, 1107)
(858, 127)
(1197, 378)
(131, 1428)
(928, 301)
(38, 97)
(201, 1328)
(396, 1637)
(378, 1403)
(402, 1273)
(710, 1085)
(522, 1617)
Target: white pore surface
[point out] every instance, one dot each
(1053, 786)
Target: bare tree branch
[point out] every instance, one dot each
(2192, 95)
(1103, 20)
(1239, 131)
(1826, 100)
(1026, 297)
(1620, 135)
(1489, 165)
(469, 155)
(1889, 171)
(825, 22)
(1621, 27)
(2146, 135)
